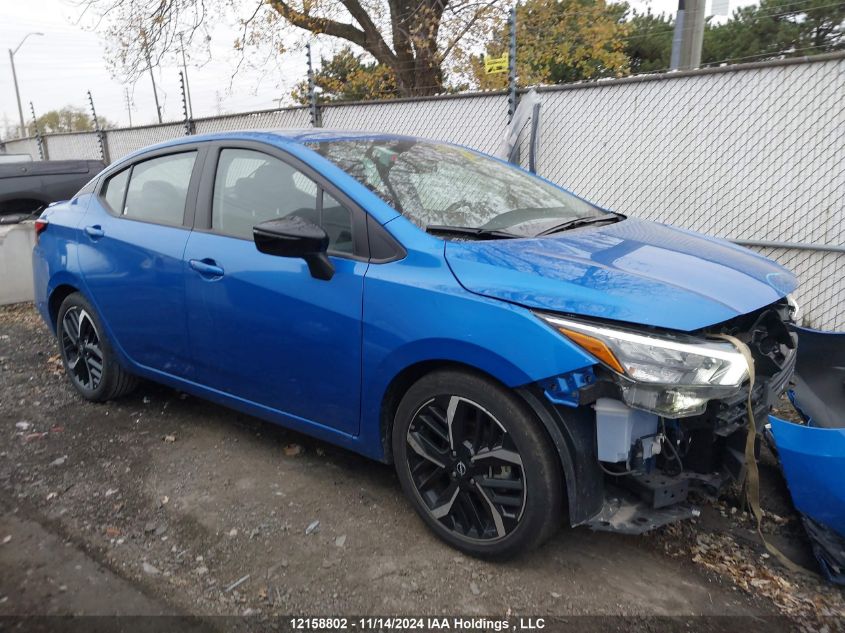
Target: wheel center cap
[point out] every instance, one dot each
(461, 469)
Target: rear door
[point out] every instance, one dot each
(261, 327)
(131, 248)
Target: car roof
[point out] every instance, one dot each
(289, 135)
(272, 136)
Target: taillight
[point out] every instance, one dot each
(40, 227)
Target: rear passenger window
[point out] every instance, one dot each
(158, 189)
(114, 190)
(252, 187)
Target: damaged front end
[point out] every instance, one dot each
(671, 409)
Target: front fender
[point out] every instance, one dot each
(416, 312)
(449, 350)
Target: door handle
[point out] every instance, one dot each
(206, 267)
(95, 231)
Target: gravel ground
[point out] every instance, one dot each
(163, 503)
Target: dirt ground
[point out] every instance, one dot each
(161, 503)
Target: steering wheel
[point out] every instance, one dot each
(452, 208)
(457, 204)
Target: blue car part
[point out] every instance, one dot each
(632, 271)
(813, 462)
(566, 389)
(812, 454)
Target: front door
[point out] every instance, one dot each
(261, 327)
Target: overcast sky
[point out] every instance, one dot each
(57, 69)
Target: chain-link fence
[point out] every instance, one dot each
(752, 153)
(286, 118)
(477, 121)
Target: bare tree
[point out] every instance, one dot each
(413, 38)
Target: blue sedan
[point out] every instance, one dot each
(525, 358)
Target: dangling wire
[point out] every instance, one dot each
(621, 473)
(671, 445)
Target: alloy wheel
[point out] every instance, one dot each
(466, 468)
(81, 347)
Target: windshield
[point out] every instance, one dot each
(438, 185)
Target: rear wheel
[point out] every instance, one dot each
(87, 354)
(477, 465)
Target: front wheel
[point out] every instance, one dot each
(477, 465)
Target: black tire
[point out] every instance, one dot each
(87, 354)
(490, 424)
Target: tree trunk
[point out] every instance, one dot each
(414, 26)
(421, 77)
(428, 78)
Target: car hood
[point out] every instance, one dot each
(632, 271)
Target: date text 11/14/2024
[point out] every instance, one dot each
(380, 623)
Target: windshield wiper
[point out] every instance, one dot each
(484, 234)
(578, 222)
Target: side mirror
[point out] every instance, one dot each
(294, 236)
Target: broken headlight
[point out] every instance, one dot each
(670, 375)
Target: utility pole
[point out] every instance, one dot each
(688, 36)
(185, 75)
(15, 80)
(128, 105)
(152, 76)
(17, 94)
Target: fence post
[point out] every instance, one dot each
(101, 139)
(189, 122)
(187, 83)
(42, 149)
(512, 95)
(312, 92)
(533, 146)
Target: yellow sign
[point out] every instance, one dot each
(493, 65)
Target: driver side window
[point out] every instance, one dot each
(252, 187)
